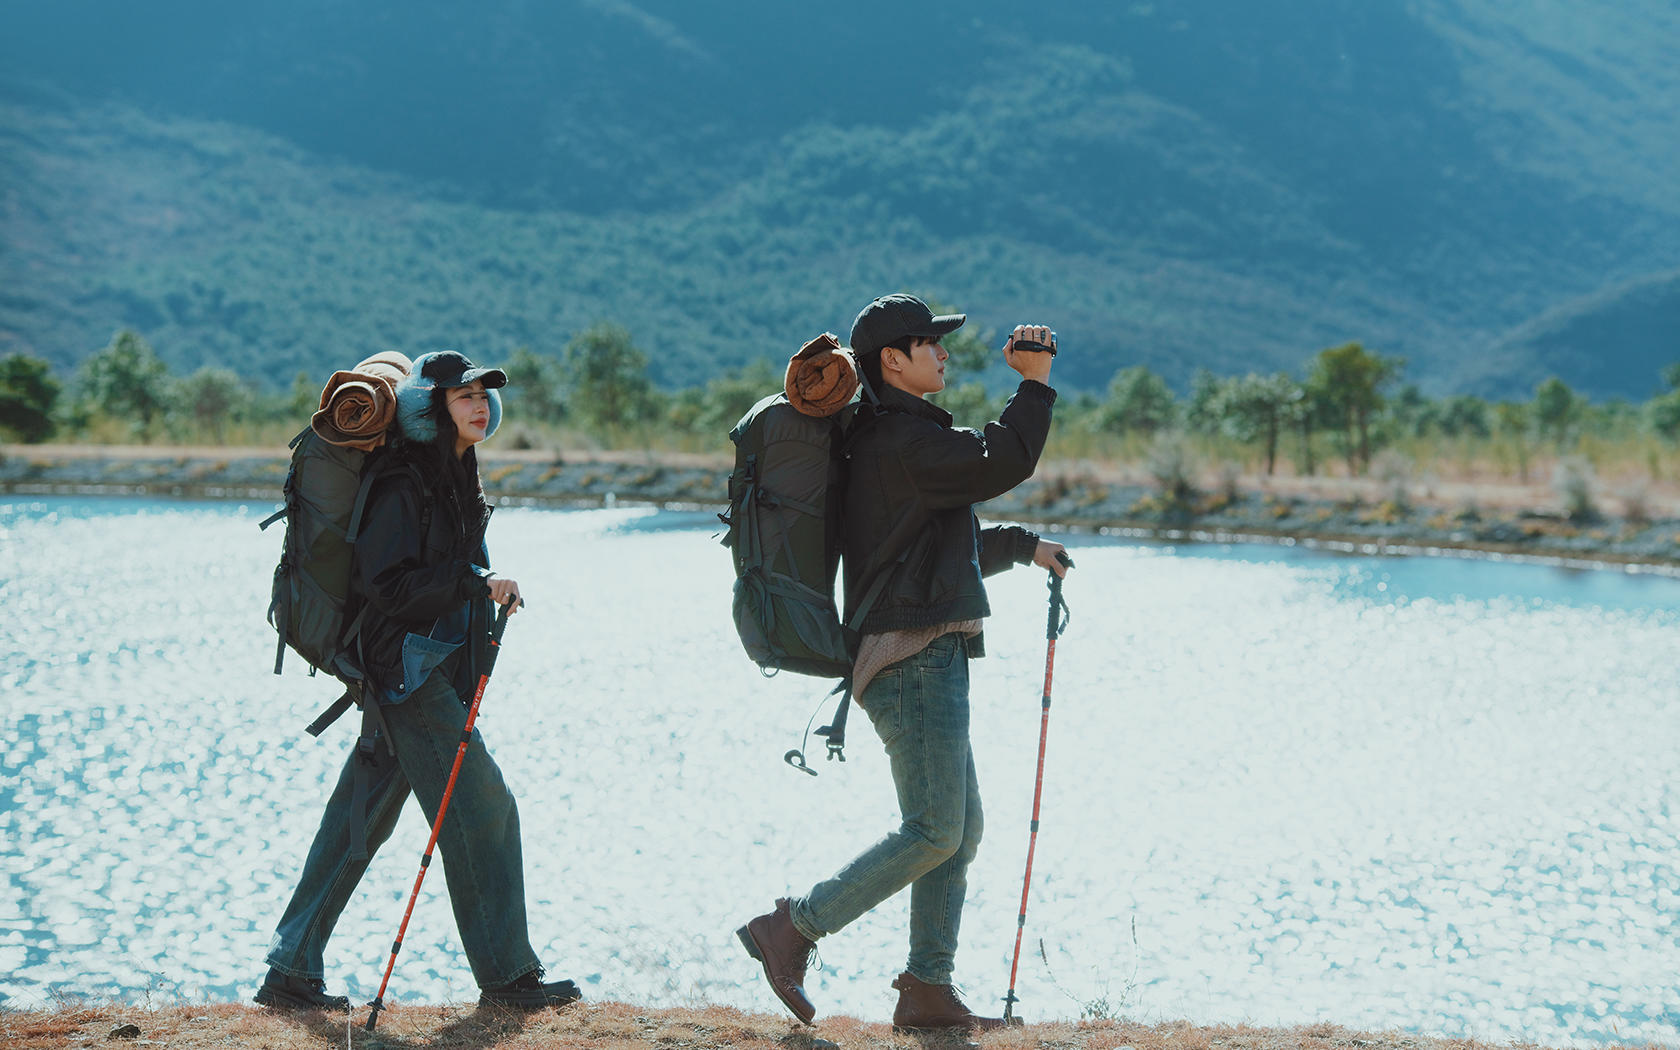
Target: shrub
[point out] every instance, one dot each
(1572, 480)
(1393, 469)
(1168, 462)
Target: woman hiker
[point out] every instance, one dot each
(422, 586)
(912, 541)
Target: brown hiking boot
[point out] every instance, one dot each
(774, 941)
(923, 1006)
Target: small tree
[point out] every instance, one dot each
(727, 397)
(534, 386)
(1260, 408)
(1138, 401)
(607, 376)
(28, 395)
(1348, 381)
(685, 409)
(303, 398)
(1511, 423)
(1662, 412)
(212, 398)
(1205, 412)
(1411, 413)
(127, 381)
(1556, 410)
(1465, 415)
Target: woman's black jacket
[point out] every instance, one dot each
(420, 557)
(912, 481)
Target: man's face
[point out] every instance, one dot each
(923, 370)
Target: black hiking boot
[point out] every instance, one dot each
(530, 992)
(282, 991)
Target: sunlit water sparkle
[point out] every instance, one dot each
(1430, 794)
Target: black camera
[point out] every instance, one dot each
(1037, 347)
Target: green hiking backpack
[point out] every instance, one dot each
(325, 493)
(784, 532)
(784, 537)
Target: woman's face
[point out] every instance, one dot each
(469, 407)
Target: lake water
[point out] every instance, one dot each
(1283, 786)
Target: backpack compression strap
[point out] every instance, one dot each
(280, 610)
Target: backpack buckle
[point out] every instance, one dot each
(367, 746)
(835, 735)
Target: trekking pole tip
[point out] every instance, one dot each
(373, 1013)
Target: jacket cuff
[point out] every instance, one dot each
(1026, 545)
(476, 583)
(1044, 393)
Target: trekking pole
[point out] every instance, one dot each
(378, 1003)
(1053, 629)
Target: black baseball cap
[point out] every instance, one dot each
(450, 369)
(895, 317)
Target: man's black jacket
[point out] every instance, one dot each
(912, 483)
(404, 580)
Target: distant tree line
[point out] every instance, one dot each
(1348, 403)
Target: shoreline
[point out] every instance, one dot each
(78, 1023)
(1349, 516)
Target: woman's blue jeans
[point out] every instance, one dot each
(919, 707)
(479, 842)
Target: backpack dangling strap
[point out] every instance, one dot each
(835, 731)
(331, 714)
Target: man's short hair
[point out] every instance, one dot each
(871, 363)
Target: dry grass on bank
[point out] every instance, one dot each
(618, 1026)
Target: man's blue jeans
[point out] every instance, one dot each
(919, 707)
(482, 862)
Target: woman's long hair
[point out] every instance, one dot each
(460, 473)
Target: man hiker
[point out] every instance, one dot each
(908, 514)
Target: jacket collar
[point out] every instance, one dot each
(895, 400)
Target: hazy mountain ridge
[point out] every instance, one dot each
(1194, 184)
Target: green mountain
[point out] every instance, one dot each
(1207, 183)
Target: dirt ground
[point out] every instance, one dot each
(618, 1026)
